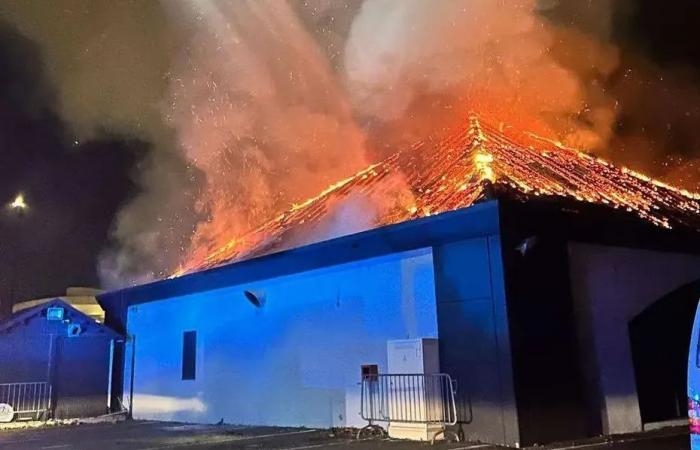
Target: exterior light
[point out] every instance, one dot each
(19, 204)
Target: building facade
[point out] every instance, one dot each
(533, 304)
(57, 356)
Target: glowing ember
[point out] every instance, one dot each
(453, 173)
(483, 161)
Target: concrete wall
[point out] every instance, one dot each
(610, 286)
(296, 360)
(474, 338)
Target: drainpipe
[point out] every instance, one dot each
(109, 375)
(50, 373)
(131, 381)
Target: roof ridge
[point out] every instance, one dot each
(462, 168)
(19, 317)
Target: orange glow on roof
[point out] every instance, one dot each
(453, 173)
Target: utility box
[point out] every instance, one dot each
(413, 356)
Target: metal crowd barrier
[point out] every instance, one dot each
(27, 399)
(408, 398)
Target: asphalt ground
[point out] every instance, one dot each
(145, 435)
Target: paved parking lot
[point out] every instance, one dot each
(142, 435)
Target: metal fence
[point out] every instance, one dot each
(408, 398)
(28, 400)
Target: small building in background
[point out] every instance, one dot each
(55, 361)
(81, 298)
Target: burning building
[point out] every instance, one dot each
(545, 273)
(471, 165)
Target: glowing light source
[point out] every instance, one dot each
(19, 203)
(483, 165)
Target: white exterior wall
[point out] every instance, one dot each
(293, 362)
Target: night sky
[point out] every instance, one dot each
(73, 188)
(75, 183)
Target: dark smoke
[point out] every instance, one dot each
(73, 187)
(109, 61)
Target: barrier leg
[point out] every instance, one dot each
(445, 432)
(373, 427)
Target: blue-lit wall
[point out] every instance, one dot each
(475, 346)
(293, 362)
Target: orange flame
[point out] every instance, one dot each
(452, 173)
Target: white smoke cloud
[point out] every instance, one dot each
(481, 54)
(252, 105)
(258, 108)
(357, 211)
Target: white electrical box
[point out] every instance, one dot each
(413, 356)
(413, 393)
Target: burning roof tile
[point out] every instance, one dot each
(459, 171)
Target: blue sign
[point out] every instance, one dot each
(54, 313)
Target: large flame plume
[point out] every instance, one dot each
(263, 113)
(470, 164)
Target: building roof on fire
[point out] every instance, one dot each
(468, 166)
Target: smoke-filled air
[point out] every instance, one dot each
(251, 107)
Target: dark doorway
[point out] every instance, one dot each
(660, 337)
